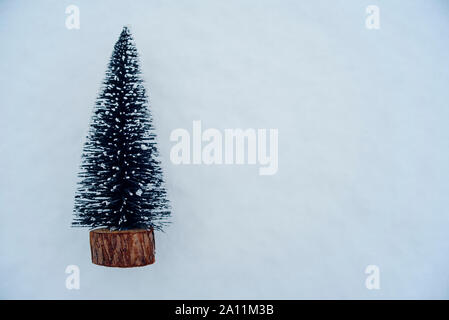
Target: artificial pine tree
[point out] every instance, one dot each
(121, 192)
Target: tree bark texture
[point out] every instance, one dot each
(123, 249)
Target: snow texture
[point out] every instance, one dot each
(363, 147)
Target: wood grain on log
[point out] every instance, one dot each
(123, 249)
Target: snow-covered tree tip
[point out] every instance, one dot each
(121, 182)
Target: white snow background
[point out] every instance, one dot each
(363, 147)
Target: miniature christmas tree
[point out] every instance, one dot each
(121, 184)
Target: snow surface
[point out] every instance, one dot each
(363, 147)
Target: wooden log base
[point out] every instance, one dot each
(123, 249)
